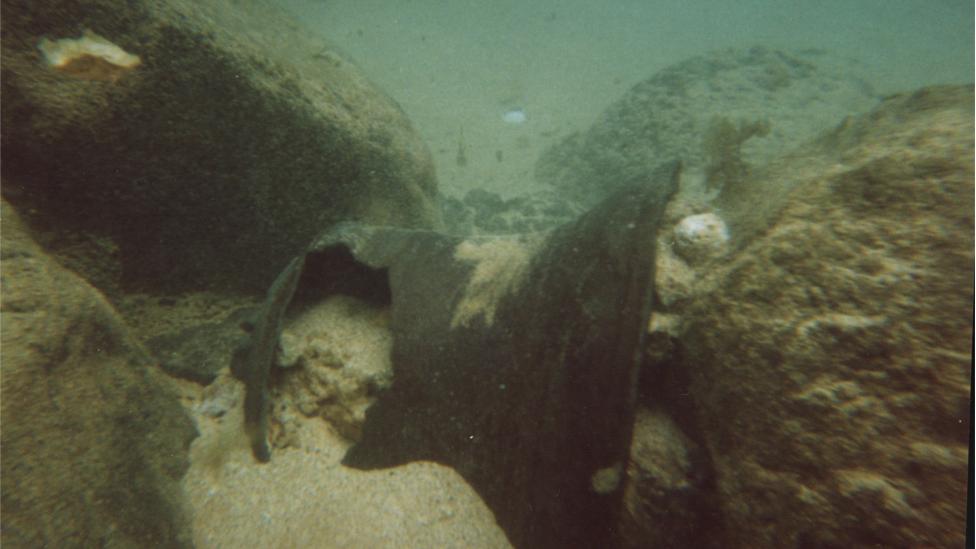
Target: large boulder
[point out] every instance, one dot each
(794, 96)
(209, 141)
(829, 356)
(94, 446)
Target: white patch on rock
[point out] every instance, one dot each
(700, 237)
(90, 57)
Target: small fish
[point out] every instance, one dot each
(462, 157)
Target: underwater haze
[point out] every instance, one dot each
(553, 274)
(460, 66)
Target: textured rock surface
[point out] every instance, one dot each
(829, 356)
(237, 138)
(666, 116)
(668, 500)
(93, 446)
(199, 351)
(484, 212)
(338, 355)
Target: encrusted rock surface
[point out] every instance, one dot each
(338, 355)
(830, 355)
(700, 237)
(668, 501)
(94, 444)
(236, 139)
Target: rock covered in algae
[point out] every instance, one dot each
(830, 354)
(94, 444)
(217, 157)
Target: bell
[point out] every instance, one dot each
(515, 358)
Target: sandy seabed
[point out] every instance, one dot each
(304, 497)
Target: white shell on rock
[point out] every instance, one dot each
(700, 237)
(90, 57)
